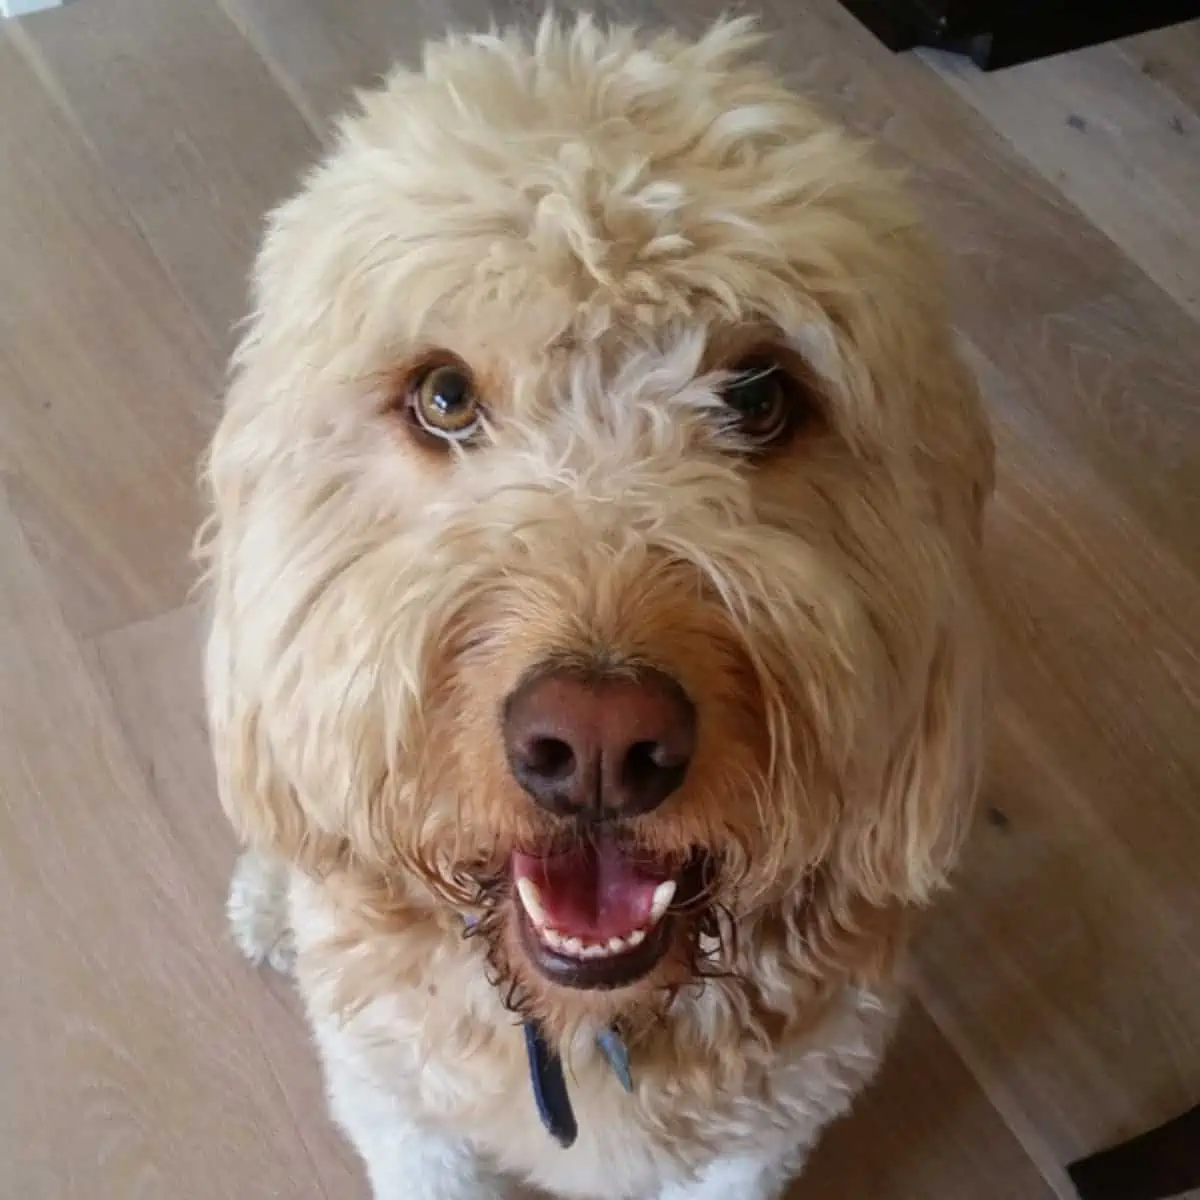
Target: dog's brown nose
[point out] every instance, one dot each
(601, 748)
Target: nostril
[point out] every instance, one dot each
(652, 768)
(549, 758)
(642, 762)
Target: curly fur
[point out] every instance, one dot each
(598, 223)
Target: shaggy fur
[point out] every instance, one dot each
(599, 225)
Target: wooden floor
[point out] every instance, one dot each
(140, 142)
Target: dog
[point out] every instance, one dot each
(598, 669)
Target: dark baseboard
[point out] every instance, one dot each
(1158, 1164)
(996, 33)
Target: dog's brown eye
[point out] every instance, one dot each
(765, 399)
(444, 403)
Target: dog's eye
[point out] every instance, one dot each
(444, 403)
(767, 403)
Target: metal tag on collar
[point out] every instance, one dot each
(550, 1087)
(612, 1045)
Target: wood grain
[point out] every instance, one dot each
(191, 131)
(141, 142)
(924, 1130)
(322, 53)
(141, 1059)
(1169, 57)
(1109, 137)
(107, 380)
(1073, 1012)
(1117, 380)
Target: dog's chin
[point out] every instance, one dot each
(601, 916)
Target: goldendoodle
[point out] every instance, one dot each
(598, 667)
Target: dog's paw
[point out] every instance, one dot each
(257, 909)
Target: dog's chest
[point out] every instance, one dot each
(629, 1146)
(476, 1085)
(435, 1045)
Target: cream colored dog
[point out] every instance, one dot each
(597, 673)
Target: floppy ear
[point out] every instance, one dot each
(263, 809)
(908, 838)
(258, 799)
(904, 845)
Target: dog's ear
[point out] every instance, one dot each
(263, 808)
(901, 845)
(906, 840)
(259, 800)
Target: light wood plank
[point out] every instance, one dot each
(1118, 380)
(151, 670)
(924, 1129)
(151, 675)
(141, 1059)
(1065, 965)
(191, 129)
(322, 53)
(106, 377)
(1125, 150)
(1171, 57)
(1075, 1014)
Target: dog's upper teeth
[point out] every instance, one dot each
(663, 895)
(532, 901)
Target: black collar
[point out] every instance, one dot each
(550, 1085)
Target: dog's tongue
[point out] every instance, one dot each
(594, 892)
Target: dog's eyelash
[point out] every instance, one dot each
(789, 404)
(741, 378)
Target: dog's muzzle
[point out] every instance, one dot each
(595, 751)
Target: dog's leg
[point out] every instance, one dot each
(746, 1178)
(257, 909)
(404, 1161)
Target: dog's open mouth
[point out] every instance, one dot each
(595, 916)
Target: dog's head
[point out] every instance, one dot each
(596, 515)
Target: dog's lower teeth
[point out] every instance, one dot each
(574, 947)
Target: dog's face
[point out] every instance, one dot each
(597, 510)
